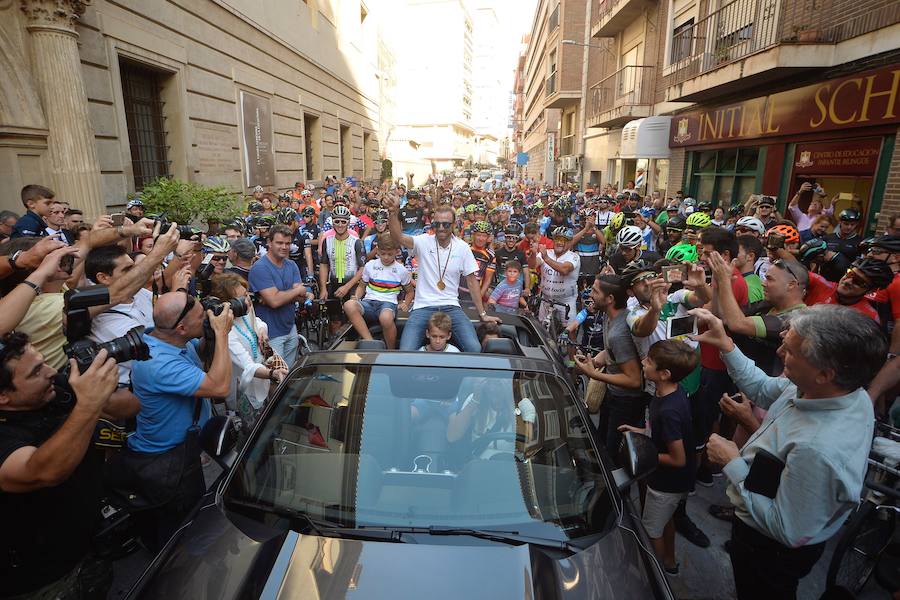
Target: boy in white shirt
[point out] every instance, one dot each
(438, 334)
(382, 279)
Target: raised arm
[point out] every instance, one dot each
(392, 203)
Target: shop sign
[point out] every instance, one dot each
(862, 100)
(551, 147)
(850, 157)
(256, 125)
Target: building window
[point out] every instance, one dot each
(724, 177)
(682, 42)
(141, 95)
(554, 20)
(346, 152)
(312, 146)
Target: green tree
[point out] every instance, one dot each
(184, 201)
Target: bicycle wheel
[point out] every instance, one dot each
(861, 543)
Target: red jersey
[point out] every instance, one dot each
(889, 295)
(822, 291)
(709, 355)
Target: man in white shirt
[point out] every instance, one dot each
(559, 276)
(442, 260)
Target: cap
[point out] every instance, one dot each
(767, 201)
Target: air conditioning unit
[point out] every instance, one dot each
(569, 163)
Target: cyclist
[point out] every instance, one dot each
(216, 248)
(508, 251)
(587, 244)
(629, 241)
(340, 267)
(865, 275)
(674, 230)
(846, 238)
(484, 258)
(559, 270)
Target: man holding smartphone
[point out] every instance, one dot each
(800, 475)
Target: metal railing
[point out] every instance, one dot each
(602, 9)
(553, 21)
(630, 85)
(550, 85)
(744, 27)
(567, 145)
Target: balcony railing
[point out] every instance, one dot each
(631, 85)
(567, 145)
(553, 22)
(550, 85)
(745, 27)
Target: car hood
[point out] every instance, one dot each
(214, 558)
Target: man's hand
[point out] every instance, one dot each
(391, 202)
(221, 324)
(166, 243)
(94, 387)
(490, 319)
(34, 256)
(49, 267)
(715, 335)
(721, 270)
(102, 222)
(659, 291)
(626, 428)
(742, 412)
(341, 291)
(143, 228)
(182, 278)
(721, 451)
(696, 277)
(585, 364)
(403, 306)
(323, 293)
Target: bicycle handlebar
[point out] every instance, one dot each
(553, 302)
(887, 491)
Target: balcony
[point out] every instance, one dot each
(554, 97)
(623, 96)
(553, 21)
(751, 43)
(567, 145)
(550, 85)
(611, 17)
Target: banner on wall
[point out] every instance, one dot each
(256, 127)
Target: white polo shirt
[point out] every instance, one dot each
(456, 261)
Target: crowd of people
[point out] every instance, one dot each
(788, 350)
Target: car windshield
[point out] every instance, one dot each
(394, 446)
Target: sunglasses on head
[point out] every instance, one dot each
(188, 305)
(442, 224)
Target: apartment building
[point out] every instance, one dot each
(101, 97)
(730, 98)
(552, 91)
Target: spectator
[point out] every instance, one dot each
(172, 388)
(56, 223)
(135, 208)
(37, 201)
(750, 249)
(818, 412)
(251, 379)
(804, 220)
(668, 362)
(846, 238)
(50, 476)
(7, 221)
(438, 333)
(74, 218)
(277, 280)
(507, 296)
(242, 253)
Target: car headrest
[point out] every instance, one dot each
(501, 345)
(370, 345)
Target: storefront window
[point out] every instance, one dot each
(724, 177)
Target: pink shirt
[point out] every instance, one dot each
(803, 220)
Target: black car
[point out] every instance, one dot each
(377, 474)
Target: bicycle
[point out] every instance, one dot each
(870, 529)
(313, 321)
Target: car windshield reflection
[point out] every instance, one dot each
(388, 446)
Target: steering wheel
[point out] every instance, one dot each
(479, 445)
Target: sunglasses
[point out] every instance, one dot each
(188, 305)
(442, 224)
(743, 230)
(219, 258)
(339, 221)
(857, 279)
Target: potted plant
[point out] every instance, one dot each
(184, 201)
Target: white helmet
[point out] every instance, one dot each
(751, 223)
(630, 236)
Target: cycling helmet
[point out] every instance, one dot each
(636, 267)
(559, 207)
(790, 233)
(605, 198)
(617, 222)
(620, 197)
(540, 204)
(470, 208)
(634, 196)
(255, 207)
(534, 210)
(850, 215)
(682, 253)
(340, 212)
(648, 212)
(676, 223)
(630, 237)
(562, 232)
(699, 220)
(751, 223)
(481, 227)
(704, 206)
(586, 213)
(812, 250)
(216, 244)
(512, 229)
(736, 211)
(479, 207)
(887, 243)
(285, 215)
(689, 201)
(237, 223)
(381, 215)
(264, 221)
(308, 211)
(877, 271)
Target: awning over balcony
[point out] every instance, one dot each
(646, 138)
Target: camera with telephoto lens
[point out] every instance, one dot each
(187, 232)
(238, 306)
(78, 301)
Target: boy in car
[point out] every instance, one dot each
(376, 297)
(438, 334)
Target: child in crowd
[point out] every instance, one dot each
(668, 362)
(438, 334)
(382, 280)
(487, 331)
(507, 296)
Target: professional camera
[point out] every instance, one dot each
(238, 306)
(78, 326)
(187, 232)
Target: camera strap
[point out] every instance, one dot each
(198, 406)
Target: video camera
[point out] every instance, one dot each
(78, 319)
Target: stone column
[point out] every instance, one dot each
(57, 69)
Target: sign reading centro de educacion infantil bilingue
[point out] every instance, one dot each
(861, 100)
(256, 125)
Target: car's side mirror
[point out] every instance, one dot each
(218, 439)
(641, 459)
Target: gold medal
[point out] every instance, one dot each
(441, 285)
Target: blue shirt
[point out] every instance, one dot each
(166, 385)
(29, 225)
(264, 275)
(824, 443)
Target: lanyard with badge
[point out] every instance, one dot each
(440, 284)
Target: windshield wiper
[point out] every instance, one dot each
(494, 535)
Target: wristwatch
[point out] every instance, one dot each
(12, 260)
(483, 313)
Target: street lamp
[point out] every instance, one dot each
(574, 43)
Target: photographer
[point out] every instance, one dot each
(50, 478)
(800, 475)
(163, 458)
